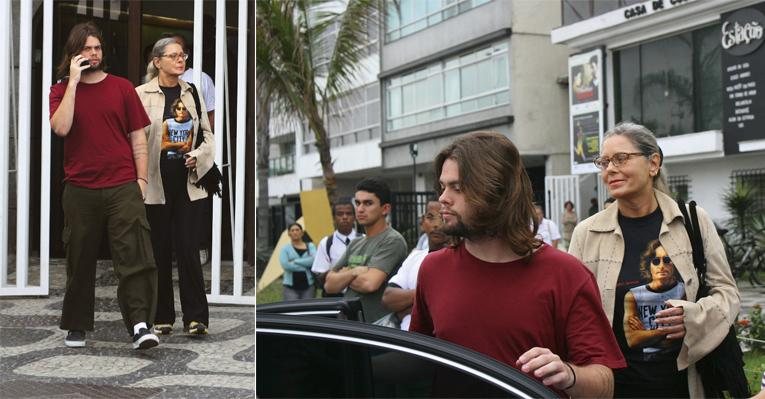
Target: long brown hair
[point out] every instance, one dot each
(75, 43)
(496, 187)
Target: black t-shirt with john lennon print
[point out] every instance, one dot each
(177, 125)
(177, 134)
(652, 361)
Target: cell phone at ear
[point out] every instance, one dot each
(85, 63)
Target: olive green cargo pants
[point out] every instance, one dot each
(121, 211)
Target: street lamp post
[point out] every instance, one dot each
(413, 153)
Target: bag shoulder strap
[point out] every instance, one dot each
(328, 244)
(697, 244)
(200, 137)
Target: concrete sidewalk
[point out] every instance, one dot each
(34, 363)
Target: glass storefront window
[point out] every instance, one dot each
(671, 85)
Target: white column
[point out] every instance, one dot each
(45, 145)
(5, 77)
(220, 55)
(241, 122)
(197, 51)
(24, 143)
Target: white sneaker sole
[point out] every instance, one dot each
(146, 342)
(74, 344)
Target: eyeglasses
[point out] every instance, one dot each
(656, 261)
(617, 159)
(175, 56)
(180, 108)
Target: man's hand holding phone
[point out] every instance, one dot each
(76, 66)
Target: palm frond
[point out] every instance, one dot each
(350, 44)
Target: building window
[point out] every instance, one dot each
(680, 187)
(353, 118)
(578, 10)
(282, 161)
(671, 85)
(459, 85)
(754, 178)
(405, 17)
(327, 40)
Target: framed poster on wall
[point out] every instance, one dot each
(586, 105)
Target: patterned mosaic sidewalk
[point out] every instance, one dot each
(34, 363)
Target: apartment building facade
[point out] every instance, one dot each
(444, 68)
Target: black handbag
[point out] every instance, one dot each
(721, 370)
(211, 181)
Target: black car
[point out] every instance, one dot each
(318, 348)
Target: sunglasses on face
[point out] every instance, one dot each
(656, 261)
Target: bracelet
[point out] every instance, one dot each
(145, 181)
(572, 373)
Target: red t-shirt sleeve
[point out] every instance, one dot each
(590, 338)
(54, 98)
(139, 119)
(421, 321)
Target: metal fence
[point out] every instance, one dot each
(680, 186)
(407, 209)
(755, 178)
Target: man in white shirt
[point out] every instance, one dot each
(548, 230)
(399, 295)
(328, 251)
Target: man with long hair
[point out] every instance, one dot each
(101, 120)
(503, 292)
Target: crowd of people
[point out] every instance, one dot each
(133, 160)
(617, 315)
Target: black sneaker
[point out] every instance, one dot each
(75, 339)
(144, 339)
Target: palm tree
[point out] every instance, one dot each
(292, 51)
(263, 143)
(740, 200)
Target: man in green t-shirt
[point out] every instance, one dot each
(366, 264)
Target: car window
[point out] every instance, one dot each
(308, 366)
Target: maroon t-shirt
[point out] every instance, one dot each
(504, 309)
(97, 150)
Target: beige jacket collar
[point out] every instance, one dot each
(609, 222)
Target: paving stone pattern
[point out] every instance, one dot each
(34, 363)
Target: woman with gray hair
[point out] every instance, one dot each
(181, 148)
(611, 243)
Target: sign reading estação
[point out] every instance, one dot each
(743, 74)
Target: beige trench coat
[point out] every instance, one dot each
(154, 102)
(598, 243)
